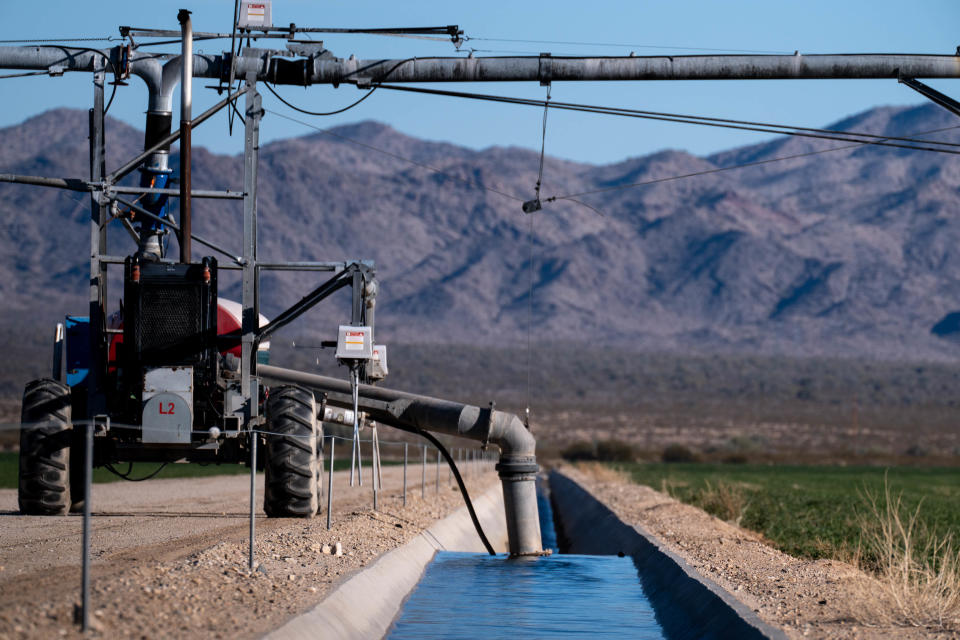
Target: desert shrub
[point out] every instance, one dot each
(724, 500)
(615, 451)
(580, 451)
(916, 572)
(678, 453)
(600, 451)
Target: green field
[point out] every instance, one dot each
(808, 511)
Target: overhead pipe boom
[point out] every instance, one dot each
(277, 67)
(518, 462)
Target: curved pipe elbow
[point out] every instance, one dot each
(508, 431)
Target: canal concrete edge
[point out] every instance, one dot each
(365, 605)
(688, 604)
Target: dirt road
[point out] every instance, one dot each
(169, 556)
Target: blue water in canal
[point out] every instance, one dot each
(472, 595)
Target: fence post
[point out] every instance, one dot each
(423, 473)
(404, 474)
(330, 487)
(253, 494)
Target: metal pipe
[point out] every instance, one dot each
(404, 474)
(253, 495)
(87, 481)
(557, 69)
(58, 341)
(267, 66)
(517, 466)
(186, 106)
(330, 488)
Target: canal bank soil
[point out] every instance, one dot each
(170, 556)
(807, 598)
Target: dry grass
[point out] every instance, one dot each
(725, 500)
(916, 573)
(603, 473)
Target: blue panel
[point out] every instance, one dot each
(78, 349)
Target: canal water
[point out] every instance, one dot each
(473, 595)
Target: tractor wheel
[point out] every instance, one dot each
(290, 466)
(45, 438)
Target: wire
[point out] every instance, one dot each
(126, 476)
(25, 74)
(746, 125)
(106, 58)
(730, 168)
(470, 183)
(317, 113)
(456, 474)
(348, 107)
(107, 39)
(636, 46)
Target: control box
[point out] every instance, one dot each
(354, 343)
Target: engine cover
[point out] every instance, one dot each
(167, 405)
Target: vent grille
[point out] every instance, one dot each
(171, 318)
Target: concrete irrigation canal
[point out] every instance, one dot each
(604, 579)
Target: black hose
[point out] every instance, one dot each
(126, 476)
(456, 474)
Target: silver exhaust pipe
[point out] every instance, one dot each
(186, 118)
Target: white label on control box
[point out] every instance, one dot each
(354, 343)
(255, 14)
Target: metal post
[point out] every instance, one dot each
(355, 449)
(250, 319)
(438, 472)
(98, 247)
(423, 473)
(253, 494)
(320, 462)
(87, 480)
(404, 474)
(58, 352)
(330, 487)
(373, 467)
(186, 108)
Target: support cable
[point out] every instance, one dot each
(746, 125)
(635, 46)
(24, 74)
(744, 165)
(529, 208)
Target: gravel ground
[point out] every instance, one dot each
(169, 564)
(807, 598)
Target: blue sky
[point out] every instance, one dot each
(811, 26)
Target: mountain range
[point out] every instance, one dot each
(814, 248)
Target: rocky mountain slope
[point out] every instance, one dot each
(847, 252)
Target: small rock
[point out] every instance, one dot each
(312, 589)
(291, 577)
(326, 549)
(338, 550)
(289, 559)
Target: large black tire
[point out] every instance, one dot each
(290, 466)
(45, 437)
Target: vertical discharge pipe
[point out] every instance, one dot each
(186, 106)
